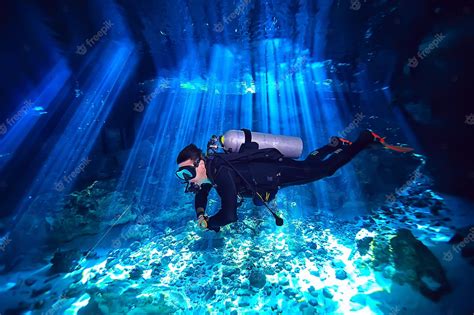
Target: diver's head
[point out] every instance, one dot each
(192, 169)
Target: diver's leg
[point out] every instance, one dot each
(321, 153)
(314, 168)
(342, 156)
(294, 172)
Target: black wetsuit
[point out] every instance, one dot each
(290, 172)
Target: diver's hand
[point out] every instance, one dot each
(202, 221)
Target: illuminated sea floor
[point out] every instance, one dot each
(319, 265)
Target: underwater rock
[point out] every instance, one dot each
(151, 300)
(136, 273)
(463, 241)
(363, 240)
(436, 207)
(229, 271)
(312, 245)
(341, 274)
(337, 263)
(296, 246)
(64, 261)
(421, 203)
(244, 303)
(381, 253)
(210, 294)
(417, 265)
(135, 246)
(309, 311)
(89, 212)
(359, 299)
(29, 233)
(313, 291)
(91, 308)
(40, 291)
(389, 272)
(362, 268)
(327, 293)
(257, 279)
(38, 305)
(313, 302)
(243, 292)
(315, 273)
(269, 270)
(289, 292)
(303, 306)
(430, 283)
(283, 280)
(255, 254)
(30, 281)
(75, 290)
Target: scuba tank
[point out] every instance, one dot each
(249, 150)
(291, 147)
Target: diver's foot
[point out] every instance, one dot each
(370, 137)
(377, 138)
(338, 142)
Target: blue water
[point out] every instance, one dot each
(93, 220)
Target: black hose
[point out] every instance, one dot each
(278, 220)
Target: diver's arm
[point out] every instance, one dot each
(228, 193)
(200, 200)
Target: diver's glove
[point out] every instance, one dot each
(202, 221)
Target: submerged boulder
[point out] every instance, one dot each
(463, 243)
(381, 253)
(257, 279)
(90, 211)
(415, 264)
(363, 240)
(64, 261)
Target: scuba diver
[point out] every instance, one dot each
(259, 169)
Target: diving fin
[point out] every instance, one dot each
(381, 140)
(398, 148)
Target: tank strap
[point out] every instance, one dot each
(248, 135)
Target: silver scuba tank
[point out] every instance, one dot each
(291, 147)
